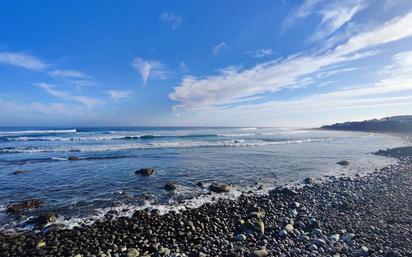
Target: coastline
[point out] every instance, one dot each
(361, 216)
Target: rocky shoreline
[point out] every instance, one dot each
(361, 216)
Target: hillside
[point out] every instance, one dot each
(395, 124)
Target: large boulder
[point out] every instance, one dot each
(219, 188)
(145, 172)
(28, 204)
(343, 163)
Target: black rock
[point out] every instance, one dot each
(73, 158)
(308, 181)
(283, 190)
(28, 204)
(343, 163)
(43, 219)
(219, 188)
(145, 172)
(17, 172)
(170, 186)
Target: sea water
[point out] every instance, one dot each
(103, 178)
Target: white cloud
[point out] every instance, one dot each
(390, 95)
(230, 86)
(335, 15)
(68, 74)
(173, 20)
(116, 95)
(22, 60)
(302, 11)
(261, 53)
(89, 102)
(149, 69)
(216, 49)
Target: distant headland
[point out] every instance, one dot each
(394, 124)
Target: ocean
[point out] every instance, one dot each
(103, 178)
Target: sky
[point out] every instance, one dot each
(203, 63)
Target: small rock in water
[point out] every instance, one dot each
(200, 184)
(219, 188)
(170, 186)
(28, 204)
(43, 219)
(145, 172)
(73, 158)
(133, 252)
(343, 163)
(259, 253)
(17, 172)
(308, 181)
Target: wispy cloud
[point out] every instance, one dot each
(261, 53)
(22, 60)
(229, 87)
(116, 95)
(300, 12)
(87, 101)
(219, 47)
(171, 19)
(335, 15)
(150, 69)
(183, 67)
(68, 74)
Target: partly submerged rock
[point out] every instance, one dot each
(343, 163)
(308, 181)
(171, 186)
(283, 190)
(28, 204)
(43, 219)
(145, 172)
(219, 188)
(17, 172)
(73, 158)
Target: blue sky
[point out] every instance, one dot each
(203, 63)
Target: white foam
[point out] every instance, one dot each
(127, 210)
(136, 146)
(249, 128)
(62, 131)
